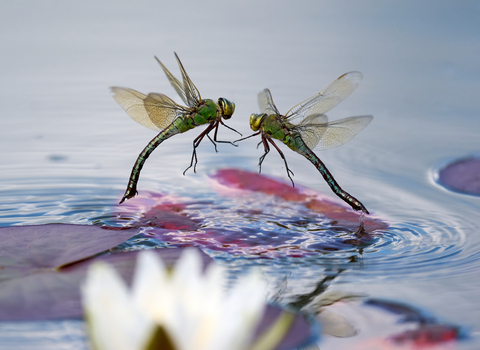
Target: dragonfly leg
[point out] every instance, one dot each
(214, 143)
(216, 132)
(266, 147)
(284, 160)
(229, 127)
(255, 134)
(196, 143)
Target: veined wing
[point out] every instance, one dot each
(191, 92)
(265, 102)
(155, 111)
(321, 136)
(186, 90)
(177, 85)
(328, 98)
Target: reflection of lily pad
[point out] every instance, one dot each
(37, 277)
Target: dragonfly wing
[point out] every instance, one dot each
(265, 102)
(154, 111)
(191, 92)
(333, 134)
(328, 98)
(311, 130)
(177, 85)
(162, 110)
(132, 102)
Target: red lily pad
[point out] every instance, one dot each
(159, 211)
(427, 335)
(250, 181)
(254, 225)
(462, 176)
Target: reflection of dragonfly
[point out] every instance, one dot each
(313, 131)
(160, 113)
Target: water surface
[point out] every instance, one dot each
(67, 147)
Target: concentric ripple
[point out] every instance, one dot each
(245, 228)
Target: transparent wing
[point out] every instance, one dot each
(177, 85)
(311, 129)
(328, 98)
(162, 110)
(322, 136)
(191, 92)
(186, 90)
(155, 111)
(265, 102)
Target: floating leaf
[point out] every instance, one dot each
(391, 325)
(290, 221)
(462, 176)
(250, 181)
(41, 267)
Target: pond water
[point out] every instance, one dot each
(68, 148)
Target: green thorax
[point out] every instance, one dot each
(205, 114)
(279, 128)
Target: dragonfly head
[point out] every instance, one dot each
(226, 107)
(256, 121)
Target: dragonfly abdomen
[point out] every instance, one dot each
(142, 157)
(296, 140)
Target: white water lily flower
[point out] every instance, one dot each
(194, 308)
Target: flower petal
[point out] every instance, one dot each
(113, 321)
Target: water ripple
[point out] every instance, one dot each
(245, 230)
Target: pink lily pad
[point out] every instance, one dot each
(159, 211)
(250, 181)
(319, 224)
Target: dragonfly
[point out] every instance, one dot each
(160, 113)
(305, 128)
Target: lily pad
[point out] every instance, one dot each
(41, 267)
(261, 217)
(462, 176)
(390, 325)
(250, 181)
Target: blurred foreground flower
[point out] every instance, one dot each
(180, 309)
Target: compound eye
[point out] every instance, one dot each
(256, 121)
(227, 107)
